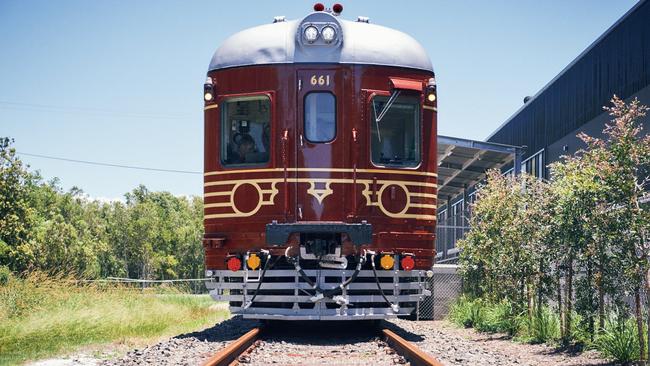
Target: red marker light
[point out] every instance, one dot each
(234, 264)
(337, 8)
(319, 7)
(407, 263)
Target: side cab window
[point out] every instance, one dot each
(245, 131)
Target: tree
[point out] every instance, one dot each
(584, 236)
(503, 256)
(622, 158)
(15, 212)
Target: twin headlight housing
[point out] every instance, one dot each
(327, 33)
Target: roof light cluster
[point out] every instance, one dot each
(312, 33)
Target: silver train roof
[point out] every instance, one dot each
(358, 42)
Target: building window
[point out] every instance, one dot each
(245, 131)
(396, 139)
(320, 117)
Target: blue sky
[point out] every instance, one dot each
(121, 81)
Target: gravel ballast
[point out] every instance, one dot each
(456, 346)
(312, 343)
(342, 343)
(187, 349)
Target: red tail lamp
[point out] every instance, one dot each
(234, 264)
(337, 8)
(407, 262)
(319, 7)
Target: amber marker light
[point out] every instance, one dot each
(387, 261)
(234, 264)
(253, 261)
(407, 262)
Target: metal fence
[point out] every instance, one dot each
(446, 286)
(452, 226)
(191, 285)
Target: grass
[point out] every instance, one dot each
(41, 317)
(618, 341)
(501, 317)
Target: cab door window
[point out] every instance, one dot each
(245, 131)
(320, 117)
(396, 139)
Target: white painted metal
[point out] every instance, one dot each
(221, 288)
(357, 43)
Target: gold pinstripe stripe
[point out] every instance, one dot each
(320, 194)
(328, 170)
(323, 180)
(211, 107)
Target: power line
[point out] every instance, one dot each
(97, 111)
(109, 164)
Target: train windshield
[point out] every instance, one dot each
(396, 139)
(245, 130)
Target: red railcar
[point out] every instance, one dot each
(320, 170)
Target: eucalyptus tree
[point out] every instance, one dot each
(622, 157)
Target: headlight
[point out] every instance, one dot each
(329, 34)
(311, 34)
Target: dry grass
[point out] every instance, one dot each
(42, 316)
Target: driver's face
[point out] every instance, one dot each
(245, 148)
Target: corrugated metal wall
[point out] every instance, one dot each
(617, 64)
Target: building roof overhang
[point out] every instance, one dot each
(463, 163)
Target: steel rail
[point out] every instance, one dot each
(408, 350)
(229, 354)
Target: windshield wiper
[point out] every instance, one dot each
(382, 113)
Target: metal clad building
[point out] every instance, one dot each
(618, 62)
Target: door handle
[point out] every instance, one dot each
(300, 212)
(285, 165)
(301, 142)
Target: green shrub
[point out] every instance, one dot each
(619, 340)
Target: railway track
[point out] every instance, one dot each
(239, 351)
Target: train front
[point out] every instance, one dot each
(320, 170)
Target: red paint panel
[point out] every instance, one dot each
(350, 150)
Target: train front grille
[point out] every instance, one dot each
(283, 294)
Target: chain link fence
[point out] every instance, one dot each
(446, 286)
